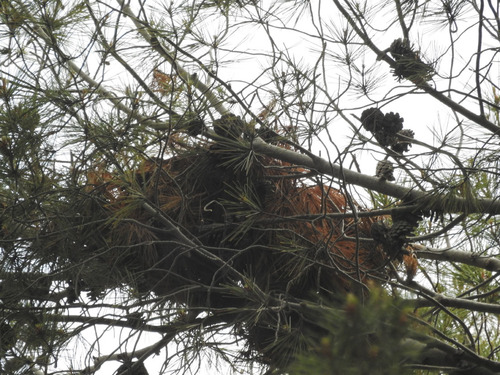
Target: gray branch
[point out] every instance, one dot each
(436, 202)
(489, 263)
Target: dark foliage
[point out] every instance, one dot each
(227, 256)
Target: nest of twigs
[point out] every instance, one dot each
(234, 232)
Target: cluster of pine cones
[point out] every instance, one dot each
(394, 237)
(408, 63)
(388, 131)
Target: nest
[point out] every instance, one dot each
(260, 236)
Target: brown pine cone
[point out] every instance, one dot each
(402, 145)
(372, 119)
(132, 368)
(385, 170)
(379, 231)
(383, 127)
(400, 230)
(195, 126)
(229, 126)
(408, 63)
(393, 122)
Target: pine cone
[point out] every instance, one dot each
(229, 126)
(397, 235)
(372, 118)
(132, 368)
(383, 127)
(384, 138)
(401, 48)
(195, 126)
(385, 170)
(408, 63)
(379, 231)
(401, 145)
(393, 123)
(400, 230)
(412, 218)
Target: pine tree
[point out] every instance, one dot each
(186, 176)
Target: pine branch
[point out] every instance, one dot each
(171, 229)
(112, 50)
(435, 202)
(450, 255)
(152, 37)
(438, 233)
(437, 355)
(94, 85)
(189, 322)
(432, 299)
(140, 353)
(314, 217)
(382, 55)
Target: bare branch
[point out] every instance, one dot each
(436, 202)
(490, 263)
